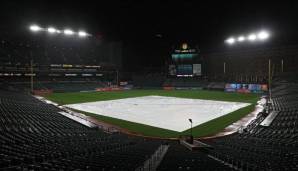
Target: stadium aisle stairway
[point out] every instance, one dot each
(180, 158)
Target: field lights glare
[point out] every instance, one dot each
(51, 30)
(35, 28)
(82, 34)
(68, 32)
(263, 35)
(253, 37)
(230, 40)
(241, 38)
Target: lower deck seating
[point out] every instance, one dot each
(273, 147)
(33, 136)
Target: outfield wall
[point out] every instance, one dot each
(246, 88)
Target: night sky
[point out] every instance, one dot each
(149, 29)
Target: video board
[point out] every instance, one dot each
(184, 53)
(184, 69)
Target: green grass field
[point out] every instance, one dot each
(205, 129)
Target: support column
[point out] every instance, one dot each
(282, 65)
(224, 67)
(31, 81)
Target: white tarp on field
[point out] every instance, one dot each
(164, 112)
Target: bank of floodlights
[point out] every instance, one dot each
(253, 37)
(52, 30)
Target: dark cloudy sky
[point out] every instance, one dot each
(138, 22)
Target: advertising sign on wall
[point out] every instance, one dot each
(246, 88)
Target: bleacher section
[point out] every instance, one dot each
(21, 48)
(266, 148)
(34, 136)
(61, 86)
(185, 82)
(154, 80)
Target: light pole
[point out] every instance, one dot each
(51, 30)
(191, 137)
(260, 36)
(117, 77)
(269, 79)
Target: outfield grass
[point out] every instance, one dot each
(80, 97)
(208, 128)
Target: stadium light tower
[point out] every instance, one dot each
(35, 28)
(255, 37)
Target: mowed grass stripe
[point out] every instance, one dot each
(81, 97)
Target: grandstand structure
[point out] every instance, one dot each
(58, 64)
(38, 134)
(250, 65)
(35, 136)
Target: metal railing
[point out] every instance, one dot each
(153, 162)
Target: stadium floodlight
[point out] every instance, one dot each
(252, 37)
(52, 30)
(241, 38)
(68, 32)
(262, 35)
(230, 40)
(82, 34)
(35, 28)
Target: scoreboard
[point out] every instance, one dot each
(185, 62)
